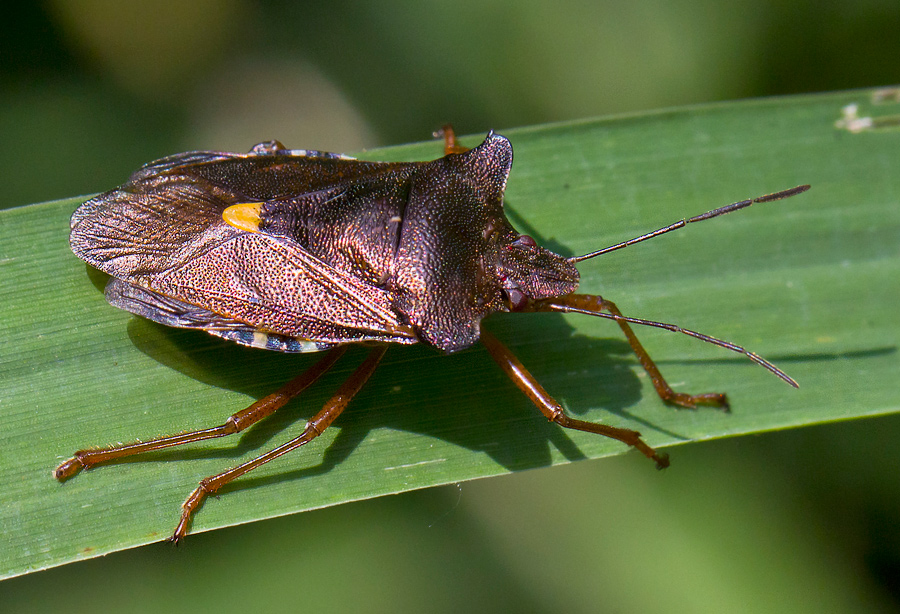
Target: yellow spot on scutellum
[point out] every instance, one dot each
(243, 216)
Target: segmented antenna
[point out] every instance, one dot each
(697, 218)
(692, 333)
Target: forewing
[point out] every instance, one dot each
(165, 233)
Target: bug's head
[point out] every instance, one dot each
(527, 271)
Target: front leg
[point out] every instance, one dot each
(595, 305)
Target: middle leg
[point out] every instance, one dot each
(551, 408)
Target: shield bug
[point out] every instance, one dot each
(305, 251)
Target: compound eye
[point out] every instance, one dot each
(525, 241)
(517, 298)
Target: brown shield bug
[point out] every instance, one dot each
(304, 251)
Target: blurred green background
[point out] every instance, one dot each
(806, 520)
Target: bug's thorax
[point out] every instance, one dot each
(458, 258)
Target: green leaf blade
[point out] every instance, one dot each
(810, 283)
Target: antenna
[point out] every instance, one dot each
(697, 218)
(691, 333)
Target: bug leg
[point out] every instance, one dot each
(591, 304)
(85, 459)
(451, 145)
(553, 410)
(315, 427)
